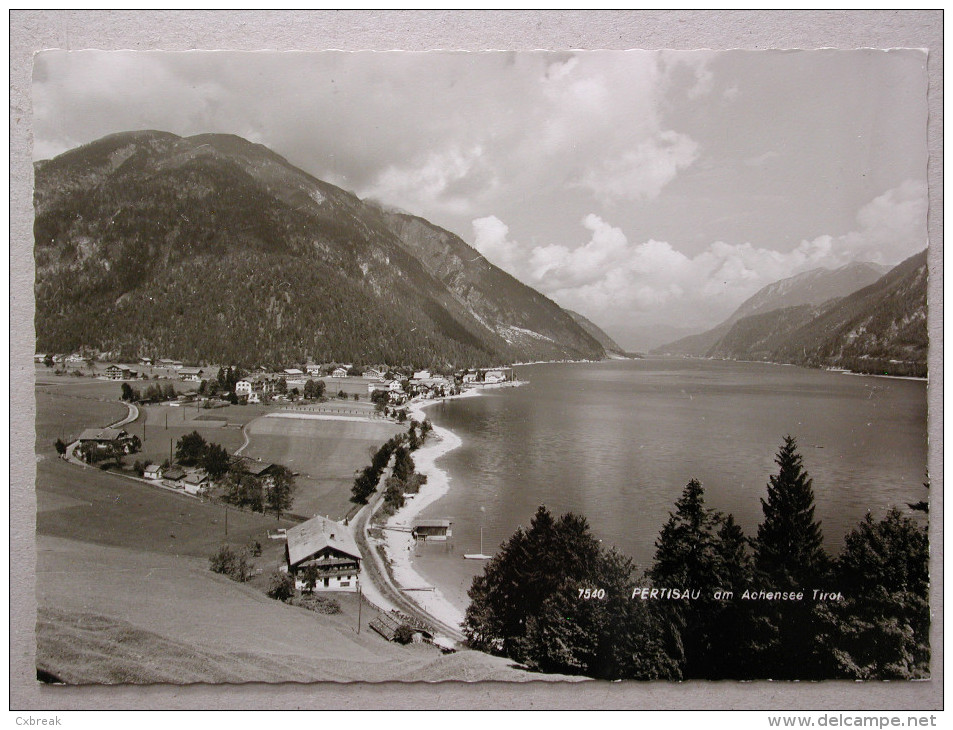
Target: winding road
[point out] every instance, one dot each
(374, 569)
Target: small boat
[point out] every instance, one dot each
(479, 555)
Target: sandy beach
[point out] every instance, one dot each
(399, 544)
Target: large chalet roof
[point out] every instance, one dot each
(316, 534)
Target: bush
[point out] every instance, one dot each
(227, 562)
(222, 561)
(282, 586)
(318, 604)
(404, 634)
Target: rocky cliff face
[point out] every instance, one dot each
(214, 249)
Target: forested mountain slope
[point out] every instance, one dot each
(214, 249)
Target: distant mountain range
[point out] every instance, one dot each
(611, 346)
(214, 249)
(878, 328)
(812, 287)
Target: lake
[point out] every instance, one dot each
(617, 441)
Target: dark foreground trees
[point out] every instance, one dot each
(555, 600)
(880, 630)
(701, 551)
(726, 606)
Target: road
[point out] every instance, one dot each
(381, 583)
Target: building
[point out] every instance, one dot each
(432, 530)
(326, 549)
(173, 476)
(166, 363)
(119, 372)
(293, 372)
(192, 374)
(421, 375)
(243, 387)
(470, 377)
(194, 481)
(105, 437)
(313, 369)
(339, 373)
(254, 398)
(494, 376)
(373, 374)
(153, 471)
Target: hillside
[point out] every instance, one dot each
(878, 329)
(757, 336)
(521, 316)
(610, 345)
(812, 288)
(214, 249)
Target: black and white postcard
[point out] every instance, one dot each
(496, 366)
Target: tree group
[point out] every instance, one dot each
(726, 605)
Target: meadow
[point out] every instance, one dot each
(324, 453)
(124, 593)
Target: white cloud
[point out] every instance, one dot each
(452, 180)
(491, 239)
(618, 283)
(641, 173)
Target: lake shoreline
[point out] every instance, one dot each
(399, 544)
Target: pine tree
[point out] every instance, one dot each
(789, 556)
(788, 550)
(730, 628)
(700, 550)
(685, 550)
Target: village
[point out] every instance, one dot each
(328, 543)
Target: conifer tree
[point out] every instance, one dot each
(685, 550)
(699, 549)
(789, 556)
(788, 550)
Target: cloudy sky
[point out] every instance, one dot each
(651, 191)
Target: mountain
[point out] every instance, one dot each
(214, 249)
(880, 329)
(812, 287)
(522, 316)
(610, 345)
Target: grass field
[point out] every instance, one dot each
(325, 453)
(62, 415)
(109, 615)
(108, 509)
(123, 586)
